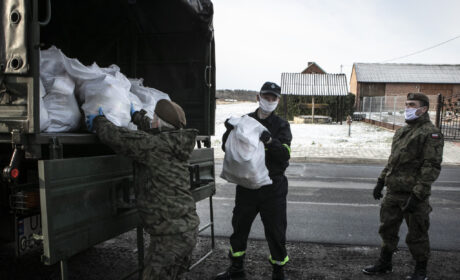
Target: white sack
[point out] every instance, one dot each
(51, 65)
(63, 112)
(44, 118)
(95, 87)
(244, 161)
(147, 96)
(112, 95)
(55, 63)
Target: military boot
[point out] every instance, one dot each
(235, 271)
(419, 272)
(278, 272)
(382, 266)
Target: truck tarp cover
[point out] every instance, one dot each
(168, 43)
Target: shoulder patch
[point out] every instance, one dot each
(435, 135)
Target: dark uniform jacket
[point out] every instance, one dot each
(278, 152)
(161, 177)
(415, 160)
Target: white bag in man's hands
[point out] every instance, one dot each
(244, 161)
(111, 94)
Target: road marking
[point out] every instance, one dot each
(312, 203)
(346, 185)
(355, 185)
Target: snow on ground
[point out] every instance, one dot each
(317, 140)
(328, 140)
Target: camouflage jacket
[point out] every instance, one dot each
(161, 176)
(415, 160)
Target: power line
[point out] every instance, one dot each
(420, 51)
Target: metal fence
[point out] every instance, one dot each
(450, 117)
(390, 109)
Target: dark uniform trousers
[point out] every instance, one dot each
(418, 223)
(270, 202)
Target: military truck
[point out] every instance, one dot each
(65, 192)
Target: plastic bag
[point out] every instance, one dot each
(55, 63)
(147, 96)
(44, 118)
(94, 87)
(60, 111)
(51, 65)
(112, 94)
(244, 161)
(61, 104)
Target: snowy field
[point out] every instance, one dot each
(317, 140)
(328, 140)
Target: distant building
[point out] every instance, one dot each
(313, 68)
(393, 79)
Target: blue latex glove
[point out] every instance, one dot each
(132, 110)
(90, 119)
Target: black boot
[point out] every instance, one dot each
(419, 272)
(235, 271)
(278, 272)
(382, 266)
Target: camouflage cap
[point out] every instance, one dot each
(419, 96)
(171, 113)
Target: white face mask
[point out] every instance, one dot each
(410, 114)
(266, 105)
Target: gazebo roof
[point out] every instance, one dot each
(314, 84)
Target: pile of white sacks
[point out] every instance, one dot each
(66, 85)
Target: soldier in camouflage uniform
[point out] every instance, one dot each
(413, 166)
(160, 150)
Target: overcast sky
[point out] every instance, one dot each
(257, 40)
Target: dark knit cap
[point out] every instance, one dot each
(419, 96)
(171, 113)
(272, 88)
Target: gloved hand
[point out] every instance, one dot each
(90, 119)
(411, 204)
(228, 125)
(378, 189)
(132, 110)
(266, 137)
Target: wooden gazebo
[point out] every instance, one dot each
(314, 85)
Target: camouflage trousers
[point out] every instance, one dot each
(168, 256)
(418, 223)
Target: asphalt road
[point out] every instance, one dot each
(333, 203)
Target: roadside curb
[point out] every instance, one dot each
(337, 160)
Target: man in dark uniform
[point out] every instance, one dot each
(160, 150)
(270, 200)
(413, 166)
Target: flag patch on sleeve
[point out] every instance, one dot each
(435, 136)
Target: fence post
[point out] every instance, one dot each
(438, 111)
(381, 101)
(370, 108)
(363, 109)
(394, 112)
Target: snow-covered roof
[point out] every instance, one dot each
(407, 73)
(314, 84)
